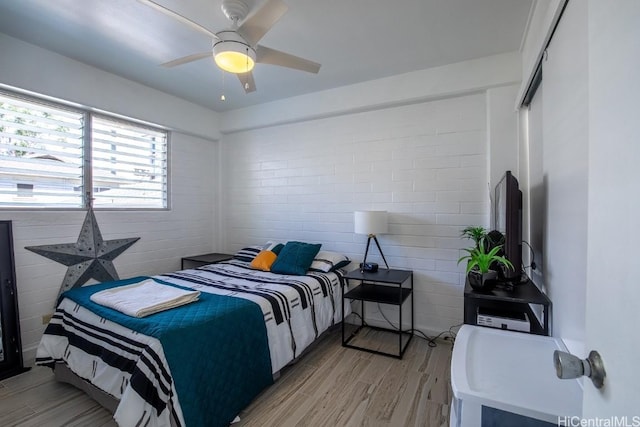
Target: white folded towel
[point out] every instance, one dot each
(144, 298)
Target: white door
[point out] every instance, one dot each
(613, 247)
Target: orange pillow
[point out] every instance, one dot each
(263, 260)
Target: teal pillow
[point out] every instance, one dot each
(295, 258)
(277, 248)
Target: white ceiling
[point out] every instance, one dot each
(354, 40)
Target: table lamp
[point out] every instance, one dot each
(371, 223)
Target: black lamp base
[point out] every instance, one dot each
(366, 252)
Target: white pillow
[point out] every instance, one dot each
(271, 244)
(326, 261)
(247, 254)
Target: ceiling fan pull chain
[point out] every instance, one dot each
(246, 81)
(222, 97)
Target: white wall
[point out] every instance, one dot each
(502, 132)
(424, 163)
(414, 87)
(188, 228)
(298, 169)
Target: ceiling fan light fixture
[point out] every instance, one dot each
(234, 49)
(234, 56)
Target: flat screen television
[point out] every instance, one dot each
(508, 221)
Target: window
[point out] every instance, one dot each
(129, 164)
(41, 154)
(52, 156)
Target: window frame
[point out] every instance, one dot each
(88, 114)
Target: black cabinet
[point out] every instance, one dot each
(383, 287)
(508, 301)
(196, 261)
(10, 344)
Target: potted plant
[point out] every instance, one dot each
(475, 233)
(479, 261)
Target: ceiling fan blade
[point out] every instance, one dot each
(188, 58)
(170, 13)
(257, 25)
(246, 79)
(265, 55)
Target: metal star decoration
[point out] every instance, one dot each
(90, 257)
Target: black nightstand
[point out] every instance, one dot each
(200, 260)
(384, 287)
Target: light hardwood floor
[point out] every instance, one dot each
(329, 386)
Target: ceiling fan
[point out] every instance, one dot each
(236, 50)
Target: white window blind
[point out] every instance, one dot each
(129, 164)
(41, 154)
(55, 156)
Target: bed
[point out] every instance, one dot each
(199, 364)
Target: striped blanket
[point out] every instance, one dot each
(296, 310)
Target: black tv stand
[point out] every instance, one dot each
(517, 299)
(506, 286)
(509, 285)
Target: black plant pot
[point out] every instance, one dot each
(482, 281)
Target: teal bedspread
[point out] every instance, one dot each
(216, 348)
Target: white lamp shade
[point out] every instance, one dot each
(371, 222)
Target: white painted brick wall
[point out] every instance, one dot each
(425, 163)
(166, 236)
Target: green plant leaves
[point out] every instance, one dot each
(477, 234)
(478, 257)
